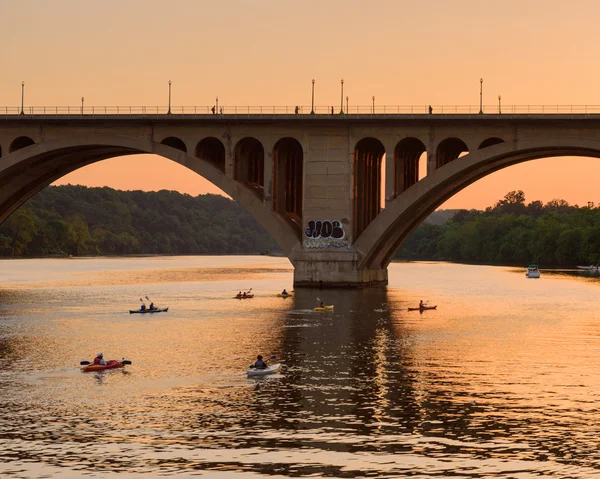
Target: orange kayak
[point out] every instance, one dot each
(112, 364)
(248, 296)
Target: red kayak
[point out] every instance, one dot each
(112, 364)
(248, 296)
(422, 308)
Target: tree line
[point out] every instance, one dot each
(511, 232)
(76, 220)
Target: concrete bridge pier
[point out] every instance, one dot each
(327, 269)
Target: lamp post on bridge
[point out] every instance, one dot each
(82, 105)
(499, 106)
(342, 99)
(169, 112)
(373, 112)
(347, 111)
(216, 105)
(312, 110)
(22, 96)
(481, 96)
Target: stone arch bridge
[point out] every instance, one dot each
(339, 194)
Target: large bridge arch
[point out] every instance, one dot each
(26, 171)
(384, 236)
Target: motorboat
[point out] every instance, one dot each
(532, 271)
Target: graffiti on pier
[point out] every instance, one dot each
(323, 234)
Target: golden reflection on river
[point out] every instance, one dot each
(499, 381)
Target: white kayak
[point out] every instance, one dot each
(264, 372)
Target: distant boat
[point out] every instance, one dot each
(532, 271)
(589, 268)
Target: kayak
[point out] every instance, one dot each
(423, 308)
(112, 364)
(281, 295)
(142, 311)
(264, 372)
(324, 308)
(248, 296)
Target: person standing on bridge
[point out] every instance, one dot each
(213, 110)
(331, 111)
(430, 110)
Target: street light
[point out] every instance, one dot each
(82, 105)
(499, 107)
(312, 111)
(22, 96)
(216, 105)
(481, 96)
(373, 105)
(169, 112)
(347, 111)
(342, 100)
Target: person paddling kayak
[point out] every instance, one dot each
(260, 364)
(99, 359)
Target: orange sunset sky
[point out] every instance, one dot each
(266, 52)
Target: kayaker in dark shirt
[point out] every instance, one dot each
(152, 307)
(322, 305)
(284, 291)
(260, 364)
(99, 359)
(421, 305)
(143, 307)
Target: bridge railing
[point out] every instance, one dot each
(320, 111)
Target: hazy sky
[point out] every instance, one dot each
(266, 52)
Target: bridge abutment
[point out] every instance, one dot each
(327, 269)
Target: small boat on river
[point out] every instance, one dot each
(147, 310)
(532, 271)
(422, 308)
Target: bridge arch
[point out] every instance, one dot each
(288, 159)
(384, 236)
(367, 161)
(490, 142)
(175, 142)
(406, 162)
(249, 164)
(27, 171)
(20, 142)
(212, 150)
(449, 150)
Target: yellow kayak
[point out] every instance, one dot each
(324, 308)
(285, 295)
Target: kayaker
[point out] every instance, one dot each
(260, 364)
(143, 307)
(421, 305)
(322, 305)
(239, 295)
(152, 307)
(99, 359)
(284, 291)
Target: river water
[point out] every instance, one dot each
(502, 380)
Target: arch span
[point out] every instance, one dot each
(26, 171)
(212, 150)
(249, 164)
(368, 158)
(406, 162)
(20, 142)
(380, 241)
(288, 159)
(449, 150)
(175, 142)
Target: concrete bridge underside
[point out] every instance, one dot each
(339, 197)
